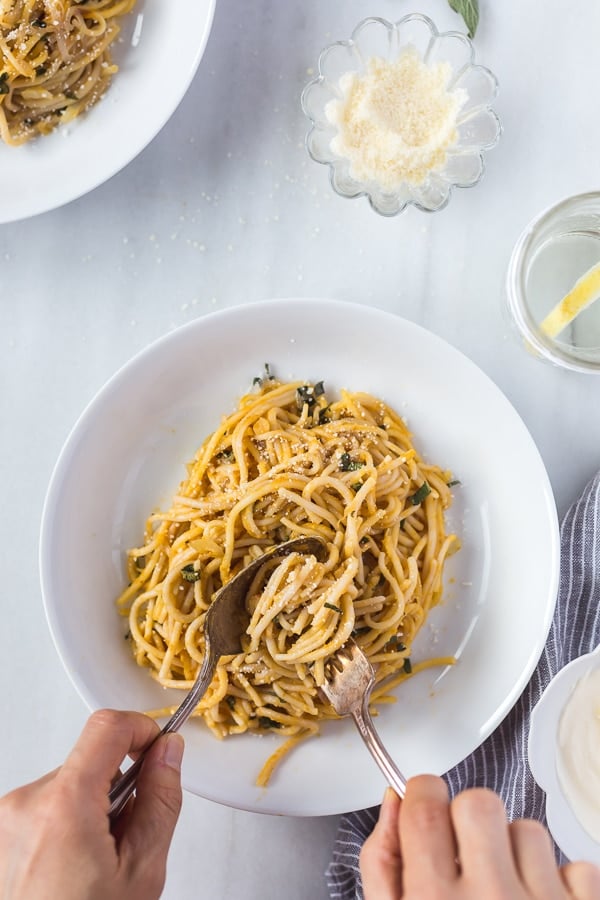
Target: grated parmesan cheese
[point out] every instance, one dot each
(396, 122)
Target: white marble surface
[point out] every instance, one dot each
(225, 208)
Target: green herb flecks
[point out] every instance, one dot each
(305, 395)
(333, 607)
(363, 629)
(189, 573)
(324, 416)
(407, 666)
(4, 86)
(469, 10)
(347, 464)
(230, 701)
(395, 641)
(453, 483)
(267, 375)
(308, 394)
(420, 495)
(266, 722)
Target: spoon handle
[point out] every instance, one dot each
(124, 786)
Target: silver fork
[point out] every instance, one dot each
(350, 679)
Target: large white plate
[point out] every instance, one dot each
(126, 455)
(153, 77)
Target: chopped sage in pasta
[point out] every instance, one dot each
(347, 464)
(261, 380)
(266, 722)
(420, 495)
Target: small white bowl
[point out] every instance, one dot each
(477, 124)
(566, 829)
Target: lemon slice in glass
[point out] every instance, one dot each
(585, 291)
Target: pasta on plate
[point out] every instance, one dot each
(55, 61)
(287, 463)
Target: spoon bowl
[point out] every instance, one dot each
(226, 621)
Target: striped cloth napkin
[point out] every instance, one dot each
(500, 762)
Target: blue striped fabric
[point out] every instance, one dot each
(501, 761)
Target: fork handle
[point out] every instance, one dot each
(368, 732)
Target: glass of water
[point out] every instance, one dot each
(550, 257)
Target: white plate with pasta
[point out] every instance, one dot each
(384, 493)
(84, 88)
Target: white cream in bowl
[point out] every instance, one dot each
(578, 752)
(564, 756)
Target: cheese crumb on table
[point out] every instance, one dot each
(396, 122)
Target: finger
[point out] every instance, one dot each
(582, 880)
(534, 860)
(484, 847)
(152, 820)
(426, 834)
(108, 736)
(380, 858)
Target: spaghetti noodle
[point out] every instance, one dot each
(55, 61)
(288, 463)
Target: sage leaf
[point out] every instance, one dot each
(469, 10)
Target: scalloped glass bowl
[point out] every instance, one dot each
(478, 125)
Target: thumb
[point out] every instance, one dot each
(380, 857)
(152, 820)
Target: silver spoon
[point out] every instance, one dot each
(226, 621)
